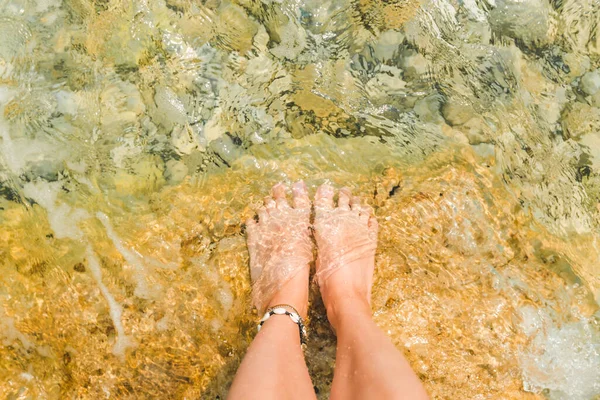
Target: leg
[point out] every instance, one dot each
(280, 252)
(368, 366)
(274, 366)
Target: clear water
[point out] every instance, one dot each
(135, 136)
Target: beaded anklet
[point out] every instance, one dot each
(280, 309)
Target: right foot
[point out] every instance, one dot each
(346, 238)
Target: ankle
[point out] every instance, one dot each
(293, 293)
(300, 305)
(347, 309)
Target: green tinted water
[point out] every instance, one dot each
(136, 136)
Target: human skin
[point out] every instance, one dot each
(274, 366)
(367, 363)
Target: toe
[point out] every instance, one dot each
(355, 203)
(263, 214)
(250, 227)
(373, 228)
(251, 223)
(278, 193)
(365, 213)
(344, 198)
(300, 196)
(270, 204)
(324, 197)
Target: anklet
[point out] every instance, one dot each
(284, 305)
(294, 316)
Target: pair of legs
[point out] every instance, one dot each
(368, 366)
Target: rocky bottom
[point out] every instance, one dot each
(150, 297)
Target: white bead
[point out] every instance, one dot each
(265, 317)
(295, 318)
(279, 311)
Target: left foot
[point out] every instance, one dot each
(281, 249)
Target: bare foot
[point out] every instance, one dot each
(281, 249)
(346, 238)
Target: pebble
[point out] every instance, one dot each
(590, 82)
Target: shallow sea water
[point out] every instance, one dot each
(137, 136)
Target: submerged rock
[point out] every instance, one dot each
(525, 20)
(414, 64)
(225, 148)
(590, 82)
(169, 107)
(175, 171)
(457, 112)
(386, 47)
(428, 109)
(15, 37)
(581, 119)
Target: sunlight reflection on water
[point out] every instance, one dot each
(135, 137)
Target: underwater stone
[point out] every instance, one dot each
(590, 82)
(414, 63)
(213, 128)
(475, 13)
(595, 99)
(299, 124)
(428, 109)
(15, 36)
(66, 102)
(128, 149)
(175, 171)
(292, 41)
(261, 39)
(185, 139)
(581, 119)
(387, 82)
(578, 64)
(170, 107)
(46, 169)
(525, 20)
(147, 175)
(592, 141)
(387, 45)
(235, 27)
(226, 149)
(475, 131)
(457, 112)
(477, 32)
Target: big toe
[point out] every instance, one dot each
(344, 198)
(324, 197)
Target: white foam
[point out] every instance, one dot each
(225, 297)
(63, 221)
(563, 360)
(26, 376)
(163, 323)
(13, 160)
(116, 311)
(10, 333)
(19, 153)
(142, 289)
(62, 218)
